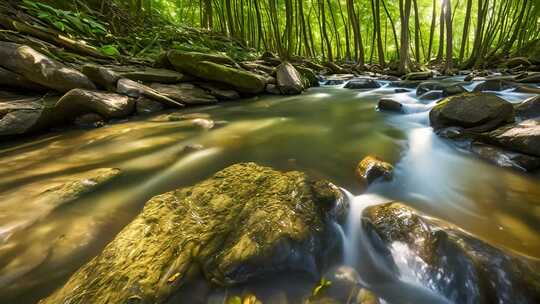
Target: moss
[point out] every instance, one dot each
(244, 222)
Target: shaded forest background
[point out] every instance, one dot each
(447, 33)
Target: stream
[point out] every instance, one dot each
(324, 132)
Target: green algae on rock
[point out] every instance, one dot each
(243, 223)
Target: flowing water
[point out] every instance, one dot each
(324, 132)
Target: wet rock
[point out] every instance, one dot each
(431, 95)
(214, 68)
(334, 82)
(419, 75)
(478, 112)
(101, 76)
(504, 158)
(108, 105)
(386, 104)
(90, 120)
(11, 80)
(272, 89)
(494, 85)
(528, 109)
(40, 69)
(372, 168)
(255, 66)
(518, 61)
(527, 89)
(145, 105)
(21, 114)
(362, 83)
(452, 90)
(522, 137)
(289, 80)
(451, 262)
(530, 78)
(400, 90)
(425, 87)
(310, 79)
(409, 84)
(134, 89)
(243, 223)
(219, 91)
(184, 93)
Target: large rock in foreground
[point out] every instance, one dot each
(289, 81)
(216, 68)
(21, 114)
(108, 105)
(243, 223)
(522, 137)
(478, 112)
(40, 69)
(462, 268)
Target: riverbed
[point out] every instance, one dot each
(324, 132)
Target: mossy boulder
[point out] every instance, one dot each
(38, 68)
(243, 223)
(217, 68)
(477, 112)
(310, 79)
(453, 263)
(372, 168)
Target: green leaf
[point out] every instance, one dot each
(109, 50)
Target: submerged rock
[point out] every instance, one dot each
(522, 137)
(453, 263)
(289, 80)
(530, 108)
(386, 104)
(40, 69)
(505, 158)
(185, 93)
(478, 112)
(362, 83)
(217, 68)
(372, 168)
(108, 105)
(243, 223)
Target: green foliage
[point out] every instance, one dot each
(323, 284)
(109, 50)
(68, 22)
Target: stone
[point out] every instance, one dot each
(450, 261)
(101, 76)
(530, 108)
(40, 69)
(214, 68)
(145, 105)
(371, 168)
(11, 80)
(221, 92)
(272, 89)
(527, 89)
(362, 83)
(21, 114)
(409, 84)
(419, 75)
(431, 95)
(89, 120)
(522, 137)
(478, 112)
(425, 87)
(244, 223)
(386, 104)
(309, 76)
(150, 75)
(518, 61)
(134, 89)
(255, 66)
(530, 78)
(108, 105)
(494, 85)
(452, 90)
(334, 82)
(289, 80)
(401, 90)
(504, 158)
(185, 93)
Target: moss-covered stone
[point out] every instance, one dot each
(372, 168)
(459, 266)
(244, 222)
(217, 68)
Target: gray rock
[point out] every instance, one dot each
(362, 83)
(494, 85)
(528, 109)
(219, 91)
(452, 90)
(150, 75)
(530, 78)
(391, 105)
(89, 120)
(272, 89)
(478, 112)
(289, 80)
(108, 105)
(431, 95)
(522, 137)
(419, 76)
(504, 158)
(102, 76)
(40, 69)
(145, 105)
(9, 79)
(21, 114)
(185, 93)
(134, 89)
